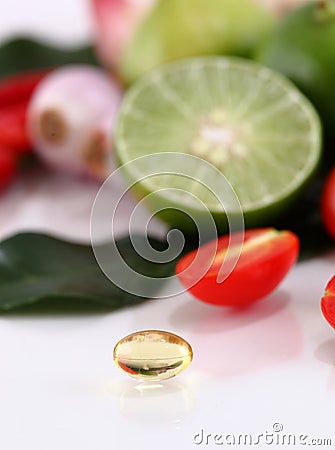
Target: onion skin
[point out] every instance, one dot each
(71, 118)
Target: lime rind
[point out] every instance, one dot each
(282, 131)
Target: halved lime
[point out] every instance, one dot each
(249, 122)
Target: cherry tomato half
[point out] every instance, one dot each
(328, 204)
(266, 257)
(328, 303)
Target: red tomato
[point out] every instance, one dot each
(15, 93)
(328, 303)
(19, 87)
(13, 133)
(267, 255)
(328, 204)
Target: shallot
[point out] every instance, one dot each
(71, 119)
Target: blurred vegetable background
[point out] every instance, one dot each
(59, 107)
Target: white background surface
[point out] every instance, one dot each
(59, 388)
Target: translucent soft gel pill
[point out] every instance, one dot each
(152, 355)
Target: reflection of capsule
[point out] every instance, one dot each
(152, 355)
(156, 403)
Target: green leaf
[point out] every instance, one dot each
(36, 268)
(26, 54)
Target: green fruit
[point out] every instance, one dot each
(181, 28)
(249, 122)
(302, 47)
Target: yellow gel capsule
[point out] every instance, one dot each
(152, 355)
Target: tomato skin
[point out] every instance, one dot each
(15, 93)
(13, 133)
(257, 273)
(19, 87)
(328, 204)
(328, 303)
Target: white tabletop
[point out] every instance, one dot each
(268, 370)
